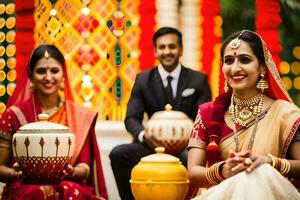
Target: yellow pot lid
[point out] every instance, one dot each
(160, 156)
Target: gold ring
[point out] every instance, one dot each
(248, 161)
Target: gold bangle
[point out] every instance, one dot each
(272, 160)
(213, 174)
(285, 166)
(281, 164)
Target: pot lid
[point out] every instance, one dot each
(168, 113)
(160, 156)
(43, 125)
(159, 167)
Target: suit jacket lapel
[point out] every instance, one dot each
(157, 86)
(182, 84)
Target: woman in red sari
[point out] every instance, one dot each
(248, 140)
(40, 91)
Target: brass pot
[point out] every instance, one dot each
(172, 128)
(159, 176)
(42, 150)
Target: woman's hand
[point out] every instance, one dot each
(69, 171)
(79, 172)
(232, 165)
(17, 173)
(242, 161)
(256, 161)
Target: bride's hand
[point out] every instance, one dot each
(232, 165)
(17, 173)
(256, 161)
(236, 163)
(69, 171)
(242, 161)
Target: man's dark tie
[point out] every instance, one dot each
(169, 91)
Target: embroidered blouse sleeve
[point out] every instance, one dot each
(198, 136)
(8, 128)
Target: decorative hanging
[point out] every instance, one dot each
(191, 29)
(267, 26)
(100, 41)
(7, 53)
(147, 12)
(212, 33)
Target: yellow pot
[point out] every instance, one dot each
(159, 176)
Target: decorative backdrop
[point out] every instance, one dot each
(7, 52)
(107, 42)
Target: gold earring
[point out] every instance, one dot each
(62, 86)
(262, 84)
(31, 85)
(226, 88)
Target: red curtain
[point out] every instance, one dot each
(147, 25)
(267, 25)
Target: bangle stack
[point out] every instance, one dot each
(281, 164)
(213, 174)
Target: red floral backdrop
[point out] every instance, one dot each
(24, 36)
(147, 25)
(267, 25)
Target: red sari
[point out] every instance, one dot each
(82, 124)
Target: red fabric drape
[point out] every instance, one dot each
(147, 24)
(210, 9)
(24, 33)
(267, 25)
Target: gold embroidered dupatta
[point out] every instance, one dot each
(274, 131)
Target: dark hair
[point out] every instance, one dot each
(39, 53)
(222, 102)
(167, 30)
(250, 38)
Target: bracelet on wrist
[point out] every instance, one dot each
(213, 173)
(281, 164)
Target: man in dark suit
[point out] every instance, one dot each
(170, 82)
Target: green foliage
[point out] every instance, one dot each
(237, 15)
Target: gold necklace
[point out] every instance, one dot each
(252, 138)
(52, 111)
(243, 111)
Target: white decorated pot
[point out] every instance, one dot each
(172, 128)
(42, 150)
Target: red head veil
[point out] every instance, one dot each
(78, 125)
(23, 91)
(275, 90)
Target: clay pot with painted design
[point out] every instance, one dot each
(172, 128)
(42, 149)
